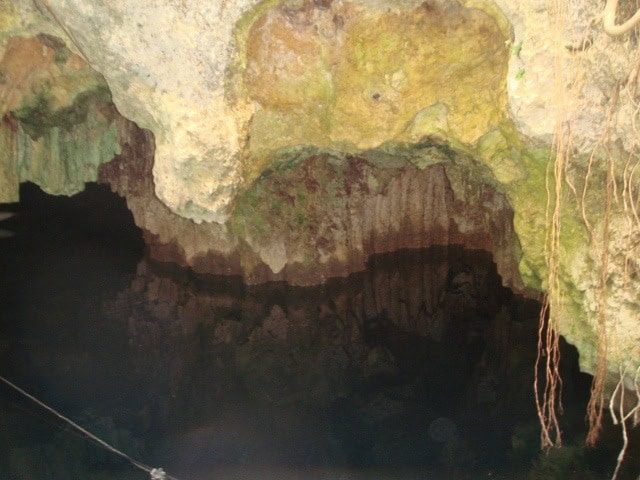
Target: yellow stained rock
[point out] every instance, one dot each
(352, 78)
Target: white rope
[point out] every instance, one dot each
(155, 473)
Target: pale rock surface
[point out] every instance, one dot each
(180, 72)
(594, 66)
(593, 63)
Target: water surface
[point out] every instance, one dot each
(420, 367)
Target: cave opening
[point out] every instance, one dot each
(421, 366)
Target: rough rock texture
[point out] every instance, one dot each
(318, 216)
(57, 136)
(596, 101)
(301, 73)
(377, 208)
(593, 64)
(249, 101)
(165, 65)
(351, 76)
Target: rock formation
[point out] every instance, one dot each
(290, 140)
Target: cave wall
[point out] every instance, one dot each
(323, 215)
(407, 123)
(56, 135)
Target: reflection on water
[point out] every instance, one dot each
(420, 367)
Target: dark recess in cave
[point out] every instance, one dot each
(94, 215)
(422, 362)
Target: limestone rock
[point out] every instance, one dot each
(289, 140)
(221, 80)
(165, 65)
(318, 216)
(57, 135)
(592, 62)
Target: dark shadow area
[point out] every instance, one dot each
(68, 256)
(419, 367)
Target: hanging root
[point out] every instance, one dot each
(634, 413)
(609, 19)
(595, 406)
(548, 398)
(548, 390)
(548, 402)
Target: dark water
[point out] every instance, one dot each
(421, 367)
